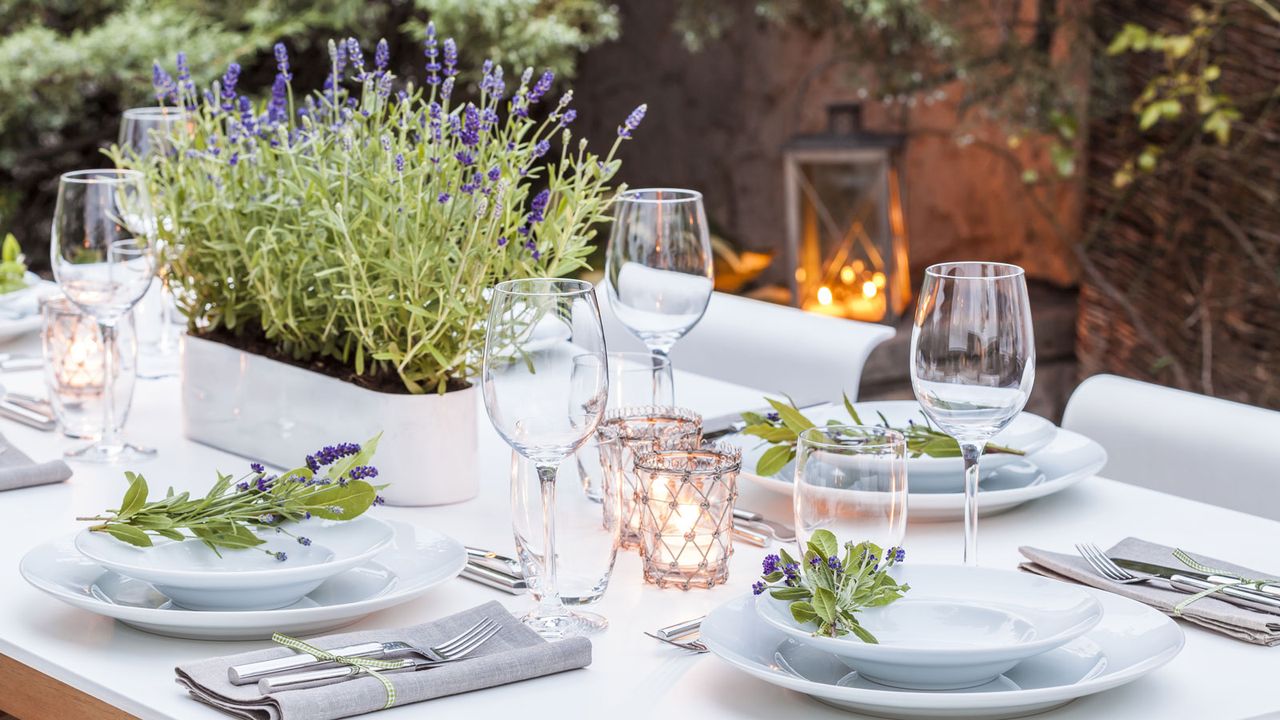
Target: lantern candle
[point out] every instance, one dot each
(640, 430)
(74, 367)
(686, 500)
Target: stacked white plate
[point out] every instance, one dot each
(1054, 460)
(183, 589)
(963, 642)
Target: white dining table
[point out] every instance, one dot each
(631, 675)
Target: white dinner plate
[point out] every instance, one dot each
(957, 627)
(416, 561)
(1130, 641)
(1027, 432)
(1065, 461)
(194, 577)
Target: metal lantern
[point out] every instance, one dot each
(846, 235)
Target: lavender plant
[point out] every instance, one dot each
(363, 222)
(331, 484)
(828, 589)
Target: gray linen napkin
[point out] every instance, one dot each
(515, 653)
(1241, 623)
(19, 471)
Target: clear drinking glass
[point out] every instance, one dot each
(635, 380)
(658, 267)
(973, 361)
(73, 367)
(585, 547)
(642, 430)
(545, 380)
(101, 253)
(851, 480)
(146, 132)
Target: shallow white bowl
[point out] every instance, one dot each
(191, 575)
(957, 627)
(1131, 641)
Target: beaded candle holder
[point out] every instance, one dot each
(640, 430)
(686, 499)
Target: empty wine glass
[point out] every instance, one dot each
(973, 361)
(658, 267)
(101, 253)
(147, 132)
(545, 379)
(851, 480)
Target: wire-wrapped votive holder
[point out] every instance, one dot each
(640, 430)
(686, 499)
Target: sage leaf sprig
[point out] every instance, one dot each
(781, 427)
(331, 484)
(13, 266)
(827, 589)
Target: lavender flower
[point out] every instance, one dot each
(278, 107)
(541, 87)
(356, 56)
(267, 519)
(898, 554)
(833, 562)
(770, 564)
(815, 561)
(361, 472)
(338, 56)
(450, 58)
(470, 135)
(541, 148)
(400, 163)
(568, 117)
(502, 241)
(494, 173)
(242, 486)
(282, 61)
(433, 67)
(632, 122)
(229, 80)
(383, 86)
(282, 556)
(792, 573)
(186, 87)
(757, 588)
(330, 454)
(379, 500)
(443, 198)
(381, 55)
(304, 541)
(258, 468)
(162, 83)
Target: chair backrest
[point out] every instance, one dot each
(1215, 451)
(780, 349)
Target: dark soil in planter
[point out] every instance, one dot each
(253, 342)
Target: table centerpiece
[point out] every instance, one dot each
(332, 250)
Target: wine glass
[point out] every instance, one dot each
(851, 480)
(101, 253)
(973, 361)
(658, 267)
(146, 132)
(545, 379)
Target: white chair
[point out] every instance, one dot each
(778, 349)
(1216, 451)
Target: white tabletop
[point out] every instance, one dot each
(631, 675)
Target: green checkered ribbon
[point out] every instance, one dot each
(370, 666)
(1200, 567)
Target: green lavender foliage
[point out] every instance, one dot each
(831, 597)
(781, 433)
(350, 232)
(227, 516)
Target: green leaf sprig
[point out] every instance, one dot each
(828, 589)
(781, 428)
(330, 485)
(13, 266)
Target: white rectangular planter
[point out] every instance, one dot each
(276, 413)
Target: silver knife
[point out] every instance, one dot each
(488, 557)
(26, 416)
(1243, 597)
(1271, 589)
(250, 672)
(330, 675)
(495, 578)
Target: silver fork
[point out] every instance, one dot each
(673, 634)
(1102, 565)
(250, 673)
(327, 676)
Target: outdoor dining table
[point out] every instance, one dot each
(57, 662)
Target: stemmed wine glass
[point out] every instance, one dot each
(545, 380)
(101, 253)
(658, 267)
(973, 361)
(146, 132)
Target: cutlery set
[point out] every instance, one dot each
(279, 674)
(1265, 597)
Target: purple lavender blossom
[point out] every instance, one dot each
(356, 56)
(502, 241)
(541, 87)
(568, 117)
(234, 159)
(304, 541)
(383, 86)
(229, 80)
(494, 173)
(162, 83)
(541, 148)
(470, 132)
(446, 90)
(465, 157)
(898, 554)
(757, 588)
(792, 573)
(282, 556)
(282, 61)
(443, 198)
(632, 122)
(815, 561)
(242, 486)
(258, 468)
(381, 55)
(400, 162)
(330, 454)
(186, 87)
(770, 564)
(278, 107)
(450, 58)
(379, 500)
(833, 562)
(361, 472)
(433, 67)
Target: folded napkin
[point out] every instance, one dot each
(515, 653)
(19, 471)
(1241, 623)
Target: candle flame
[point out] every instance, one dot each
(824, 295)
(869, 289)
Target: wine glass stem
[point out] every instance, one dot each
(550, 601)
(971, 452)
(109, 437)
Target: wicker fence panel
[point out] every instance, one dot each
(1181, 282)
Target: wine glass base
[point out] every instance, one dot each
(564, 624)
(100, 453)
